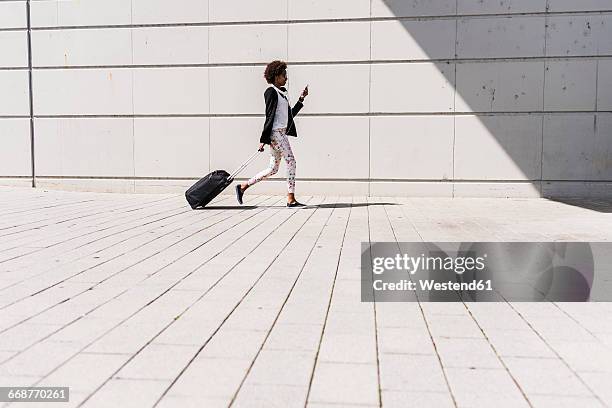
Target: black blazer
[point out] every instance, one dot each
(271, 96)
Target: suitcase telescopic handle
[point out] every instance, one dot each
(243, 165)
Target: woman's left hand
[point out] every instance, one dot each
(305, 92)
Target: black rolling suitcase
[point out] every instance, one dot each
(211, 185)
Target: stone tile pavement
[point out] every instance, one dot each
(139, 301)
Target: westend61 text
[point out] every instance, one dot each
(433, 285)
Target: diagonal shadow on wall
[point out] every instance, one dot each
(497, 74)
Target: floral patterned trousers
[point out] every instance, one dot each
(279, 147)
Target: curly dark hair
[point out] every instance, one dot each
(273, 69)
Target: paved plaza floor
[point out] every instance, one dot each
(135, 300)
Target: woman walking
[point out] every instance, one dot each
(279, 123)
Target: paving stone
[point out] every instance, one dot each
(545, 376)
(299, 337)
(600, 384)
(270, 395)
(158, 362)
(467, 353)
(411, 372)
(518, 343)
(282, 367)
(211, 377)
(358, 384)
(584, 356)
(484, 388)
(348, 348)
(85, 372)
(128, 393)
(416, 399)
(554, 401)
(174, 401)
(234, 344)
(40, 359)
(179, 279)
(404, 340)
(453, 326)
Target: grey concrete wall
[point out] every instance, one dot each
(408, 97)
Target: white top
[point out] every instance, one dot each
(281, 117)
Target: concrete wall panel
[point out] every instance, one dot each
(577, 147)
(61, 92)
(570, 85)
(582, 5)
(573, 189)
(418, 87)
(171, 91)
(164, 11)
(500, 37)
(415, 147)
(412, 8)
(238, 90)
(500, 7)
(54, 13)
(171, 147)
(170, 45)
(407, 40)
(332, 147)
(604, 85)
(14, 48)
(109, 46)
(324, 9)
(15, 153)
(498, 147)
(500, 86)
(84, 147)
(576, 35)
(602, 149)
(15, 94)
(248, 43)
(347, 41)
(252, 10)
(233, 140)
(340, 88)
(13, 14)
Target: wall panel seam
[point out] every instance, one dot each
(325, 114)
(328, 20)
(330, 179)
(555, 58)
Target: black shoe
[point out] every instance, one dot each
(239, 194)
(295, 204)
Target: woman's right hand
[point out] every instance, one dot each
(261, 147)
